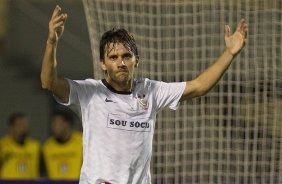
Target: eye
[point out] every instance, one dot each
(127, 56)
(113, 57)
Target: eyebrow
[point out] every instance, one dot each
(113, 56)
(127, 54)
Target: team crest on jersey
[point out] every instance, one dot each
(144, 104)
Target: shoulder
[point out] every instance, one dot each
(92, 81)
(146, 86)
(83, 83)
(87, 86)
(145, 82)
(77, 135)
(4, 139)
(89, 82)
(76, 138)
(156, 83)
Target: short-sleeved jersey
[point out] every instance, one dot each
(63, 160)
(19, 161)
(118, 127)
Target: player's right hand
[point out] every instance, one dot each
(56, 25)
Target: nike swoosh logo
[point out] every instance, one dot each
(108, 100)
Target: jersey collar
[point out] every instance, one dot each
(104, 81)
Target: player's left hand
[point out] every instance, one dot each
(236, 41)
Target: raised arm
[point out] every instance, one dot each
(49, 78)
(208, 78)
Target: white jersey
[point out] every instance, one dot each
(118, 127)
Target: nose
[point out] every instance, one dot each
(121, 63)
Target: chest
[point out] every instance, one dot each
(19, 152)
(133, 112)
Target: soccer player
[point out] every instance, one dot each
(19, 154)
(63, 150)
(119, 111)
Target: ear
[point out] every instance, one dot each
(137, 61)
(103, 65)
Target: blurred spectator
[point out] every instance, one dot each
(63, 150)
(19, 154)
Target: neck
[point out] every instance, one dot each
(19, 139)
(120, 86)
(63, 139)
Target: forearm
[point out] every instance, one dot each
(49, 67)
(49, 78)
(208, 78)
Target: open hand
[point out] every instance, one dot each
(236, 41)
(56, 25)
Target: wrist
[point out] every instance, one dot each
(228, 51)
(51, 42)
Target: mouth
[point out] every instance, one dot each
(123, 74)
(122, 71)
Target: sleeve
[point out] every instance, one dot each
(168, 94)
(81, 91)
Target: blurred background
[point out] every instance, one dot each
(23, 34)
(35, 141)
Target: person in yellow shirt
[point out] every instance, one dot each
(19, 153)
(62, 152)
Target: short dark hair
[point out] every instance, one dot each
(13, 117)
(115, 36)
(67, 115)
